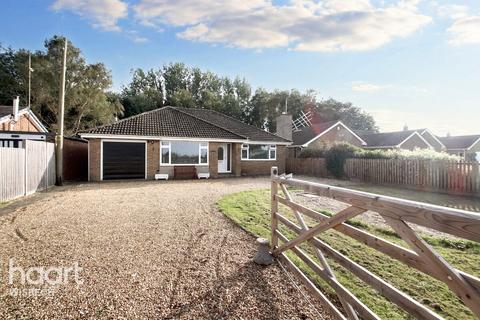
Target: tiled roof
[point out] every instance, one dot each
(185, 123)
(385, 139)
(306, 134)
(232, 125)
(459, 142)
(8, 110)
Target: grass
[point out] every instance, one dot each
(251, 211)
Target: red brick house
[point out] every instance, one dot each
(432, 139)
(171, 141)
(320, 135)
(18, 124)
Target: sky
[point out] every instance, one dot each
(406, 62)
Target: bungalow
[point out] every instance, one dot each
(18, 124)
(323, 134)
(181, 142)
(467, 147)
(406, 139)
(432, 139)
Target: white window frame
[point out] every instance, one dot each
(167, 144)
(271, 147)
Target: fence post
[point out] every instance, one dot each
(274, 207)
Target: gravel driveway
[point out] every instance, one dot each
(147, 249)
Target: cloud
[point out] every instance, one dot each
(103, 14)
(326, 26)
(135, 37)
(368, 87)
(465, 30)
(453, 11)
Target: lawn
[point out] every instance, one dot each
(251, 211)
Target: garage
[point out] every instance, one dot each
(123, 160)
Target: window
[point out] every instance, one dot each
(259, 152)
(220, 153)
(183, 152)
(10, 143)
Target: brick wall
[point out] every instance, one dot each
(236, 156)
(153, 158)
(23, 124)
(414, 142)
(262, 167)
(335, 135)
(94, 146)
(239, 167)
(213, 159)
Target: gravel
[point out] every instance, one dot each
(147, 249)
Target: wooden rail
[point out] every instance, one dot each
(397, 213)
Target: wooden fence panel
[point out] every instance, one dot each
(26, 170)
(36, 166)
(453, 177)
(12, 173)
(461, 178)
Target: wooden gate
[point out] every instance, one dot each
(396, 213)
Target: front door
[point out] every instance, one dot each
(223, 154)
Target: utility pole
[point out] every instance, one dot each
(61, 111)
(30, 70)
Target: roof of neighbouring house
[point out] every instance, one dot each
(460, 142)
(307, 134)
(7, 110)
(386, 139)
(6, 114)
(185, 123)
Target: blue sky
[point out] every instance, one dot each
(406, 62)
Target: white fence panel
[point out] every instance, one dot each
(25, 171)
(51, 164)
(12, 173)
(36, 166)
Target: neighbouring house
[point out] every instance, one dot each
(432, 139)
(406, 139)
(320, 135)
(181, 142)
(18, 124)
(467, 147)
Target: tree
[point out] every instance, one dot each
(354, 117)
(86, 100)
(144, 93)
(176, 84)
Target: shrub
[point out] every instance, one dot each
(421, 154)
(312, 153)
(336, 156)
(417, 154)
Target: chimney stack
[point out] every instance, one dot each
(284, 126)
(16, 105)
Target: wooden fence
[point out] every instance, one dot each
(26, 170)
(454, 177)
(461, 178)
(396, 213)
(307, 166)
